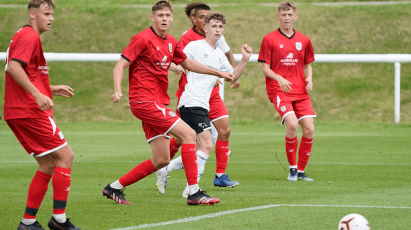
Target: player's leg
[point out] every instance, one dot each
(222, 152)
(291, 144)
(305, 113)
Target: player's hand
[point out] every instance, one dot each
(116, 97)
(309, 84)
(44, 102)
(179, 70)
(227, 76)
(62, 90)
(218, 83)
(235, 85)
(284, 85)
(246, 51)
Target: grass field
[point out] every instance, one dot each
(358, 168)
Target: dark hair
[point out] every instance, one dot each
(201, 7)
(161, 4)
(37, 3)
(192, 6)
(219, 17)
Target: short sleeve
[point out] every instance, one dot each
(309, 53)
(225, 65)
(222, 44)
(24, 48)
(190, 51)
(265, 51)
(133, 50)
(178, 55)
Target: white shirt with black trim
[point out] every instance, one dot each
(199, 86)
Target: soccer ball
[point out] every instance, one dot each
(353, 222)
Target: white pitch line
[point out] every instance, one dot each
(189, 219)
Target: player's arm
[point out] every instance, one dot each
(246, 51)
(197, 67)
(178, 69)
(118, 71)
(16, 71)
(308, 71)
(231, 59)
(282, 82)
(62, 90)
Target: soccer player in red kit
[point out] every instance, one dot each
(286, 55)
(148, 57)
(218, 115)
(28, 112)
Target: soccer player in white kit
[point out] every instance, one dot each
(194, 103)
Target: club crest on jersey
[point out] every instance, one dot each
(283, 108)
(298, 46)
(172, 114)
(170, 47)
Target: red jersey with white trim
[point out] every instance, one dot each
(189, 36)
(25, 47)
(287, 57)
(150, 56)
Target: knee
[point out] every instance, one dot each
(161, 162)
(224, 133)
(292, 127)
(189, 136)
(207, 148)
(308, 131)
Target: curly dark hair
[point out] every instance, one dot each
(219, 17)
(192, 6)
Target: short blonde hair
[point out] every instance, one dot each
(219, 17)
(286, 6)
(160, 5)
(35, 4)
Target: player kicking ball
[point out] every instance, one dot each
(218, 113)
(286, 55)
(28, 111)
(148, 57)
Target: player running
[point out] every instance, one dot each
(28, 111)
(218, 115)
(148, 57)
(286, 55)
(194, 102)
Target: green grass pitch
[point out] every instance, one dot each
(358, 168)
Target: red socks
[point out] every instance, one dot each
(174, 146)
(221, 153)
(61, 187)
(139, 172)
(304, 153)
(37, 190)
(189, 158)
(291, 145)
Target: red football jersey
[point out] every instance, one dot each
(189, 36)
(25, 47)
(287, 57)
(150, 56)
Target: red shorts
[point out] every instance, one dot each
(157, 119)
(217, 108)
(301, 108)
(38, 136)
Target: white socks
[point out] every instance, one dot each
(28, 221)
(116, 185)
(201, 160)
(219, 174)
(193, 189)
(175, 164)
(61, 218)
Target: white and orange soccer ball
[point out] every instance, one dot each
(353, 222)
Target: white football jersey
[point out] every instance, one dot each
(199, 86)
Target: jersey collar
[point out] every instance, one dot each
(286, 35)
(28, 26)
(194, 29)
(165, 37)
